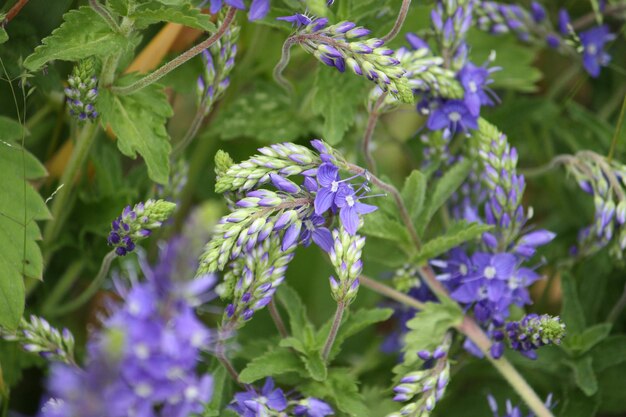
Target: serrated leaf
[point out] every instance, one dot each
(442, 190)
(83, 34)
(119, 6)
(341, 389)
(20, 255)
(274, 362)
(336, 99)
(428, 327)
(293, 343)
(378, 224)
(584, 376)
(457, 234)
(152, 12)
(609, 352)
(299, 324)
(579, 405)
(414, 193)
(315, 365)
(138, 120)
(265, 113)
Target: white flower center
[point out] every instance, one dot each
(191, 393)
(309, 225)
(175, 372)
(463, 269)
(482, 293)
(490, 272)
(454, 116)
(350, 201)
(473, 87)
(143, 390)
(197, 339)
(592, 49)
(334, 186)
(142, 351)
(514, 283)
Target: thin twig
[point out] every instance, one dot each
(17, 7)
(617, 308)
(278, 320)
(179, 60)
(104, 14)
(332, 334)
(372, 120)
(590, 18)
(228, 366)
(390, 292)
(282, 64)
(556, 161)
(91, 290)
(404, 11)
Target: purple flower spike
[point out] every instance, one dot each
(284, 184)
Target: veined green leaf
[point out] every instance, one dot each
(83, 34)
(274, 362)
(185, 14)
(458, 233)
(138, 121)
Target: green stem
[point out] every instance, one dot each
(390, 292)
(617, 308)
(372, 120)
(179, 60)
(332, 334)
(618, 129)
(278, 320)
(61, 288)
(90, 291)
(104, 14)
(60, 202)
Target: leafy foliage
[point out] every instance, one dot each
(154, 12)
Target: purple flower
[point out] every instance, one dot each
(564, 22)
(416, 42)
(593, 42)
(314, 229)
(254, 404)
(297, 19)
(488, 282)
(538, 12)
(328, 178)
(474, 80)
(312, 407)
(258, 8)
(527, 244)
(452, 116)
(350, 208)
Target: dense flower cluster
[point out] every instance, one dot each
(272, 401)
(143, 361)
(258, 237)
(605, 181)
(82, 93)
(137, 223)
(342, 46)
(529, 334)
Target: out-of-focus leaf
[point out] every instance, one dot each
(609, 352)
(571, 312)
(581, 343)
(83, 34)
(414, 193)
(457, 234)
(138, 121)
(579, 405)
(185, 14)
(584, 375)
(274, 362)
(341, 389)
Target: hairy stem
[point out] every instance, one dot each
(14, 11)
(544, 169)
(390, 292)
(228, 366)
(179, 60)
(404, 10)
(372, 120)
(104, 14)
(517, 381)
(91, 290)
(282, 64)
(332, 334)
(278, 320)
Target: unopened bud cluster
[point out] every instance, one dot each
(38, 336)
(137, 223)
(529, 334)
(424, 388)
(345, 256)
(82, 93)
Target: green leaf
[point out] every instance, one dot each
(609, 352)
(581, 343)
(265, 113)
(572, 312)
(428, 327)
(337, 99)
(458, 233)
(119, 6)
(315, 365)
(20, 255)
(220, 378)
(274, 362)
(353, 323)
(293, 343)
(579, 405)
(341, 389)
(83, 34)
(14, 360)
(378, 224)
(154, 12)
(414, 193)
(443, 189)
(299, 324)
(138, 120)
(3, 36)
(584, 376)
